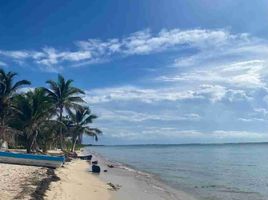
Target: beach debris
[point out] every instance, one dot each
(68, 159)
(87, 157)
(110, 166)
(96, 169)
(95, 162)
(208, 186)
(114, 187)
(71, 154)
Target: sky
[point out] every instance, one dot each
(153, 71)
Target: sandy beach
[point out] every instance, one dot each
(76, 182)
(19, 182)
(28, 182)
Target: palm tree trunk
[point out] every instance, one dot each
(61, 133)
(2, 128)
(74, 144)
(33, 142)
(2, 132)
(28, 145)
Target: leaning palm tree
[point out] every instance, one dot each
(8, 89)
(64, 96)
(34, 109)
(79, 124)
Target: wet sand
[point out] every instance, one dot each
(135, 185)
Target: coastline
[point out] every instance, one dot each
(119, 182)
(133, 184)
(75, 181)
(70, 182)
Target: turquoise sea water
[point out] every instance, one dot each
(209, 172)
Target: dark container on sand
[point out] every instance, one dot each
(96, 169)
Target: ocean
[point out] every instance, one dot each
(206, 171)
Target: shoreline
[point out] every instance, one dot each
(76, 182)
(71, 182)
(135, 184)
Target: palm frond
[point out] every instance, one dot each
(20, 83)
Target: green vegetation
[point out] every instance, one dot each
(43, 118)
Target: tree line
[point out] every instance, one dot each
(43, 118)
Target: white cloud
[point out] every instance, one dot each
(262, 111)
(256, 115)
(15, 54)
(3, 64)
(251, 119)
(212, 93)
(238, 134)
(25, 89)
(131, 93)
(133, 116)
(246, 74)
(144, 42)
(141, 42)
(51, 56)
(175, 135)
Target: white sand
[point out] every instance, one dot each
(16, 181)
(77, 183)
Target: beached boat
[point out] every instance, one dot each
(31, 159)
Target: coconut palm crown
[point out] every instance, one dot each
(8, 89)
(79, 123)
(34, 109)
(64, 96)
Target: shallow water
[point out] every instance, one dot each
(209, 172)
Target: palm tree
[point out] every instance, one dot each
(64, 96)
(79, 121)
(48, 134)
(8, 89)
(34, 109)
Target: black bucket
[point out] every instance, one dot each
(96, 169)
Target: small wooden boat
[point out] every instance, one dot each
(31, 159)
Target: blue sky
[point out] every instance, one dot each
(153, 71)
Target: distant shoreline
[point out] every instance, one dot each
(177, 144)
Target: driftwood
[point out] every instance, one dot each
(114, 187)
(95, 162)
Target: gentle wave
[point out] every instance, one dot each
(217, 172)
